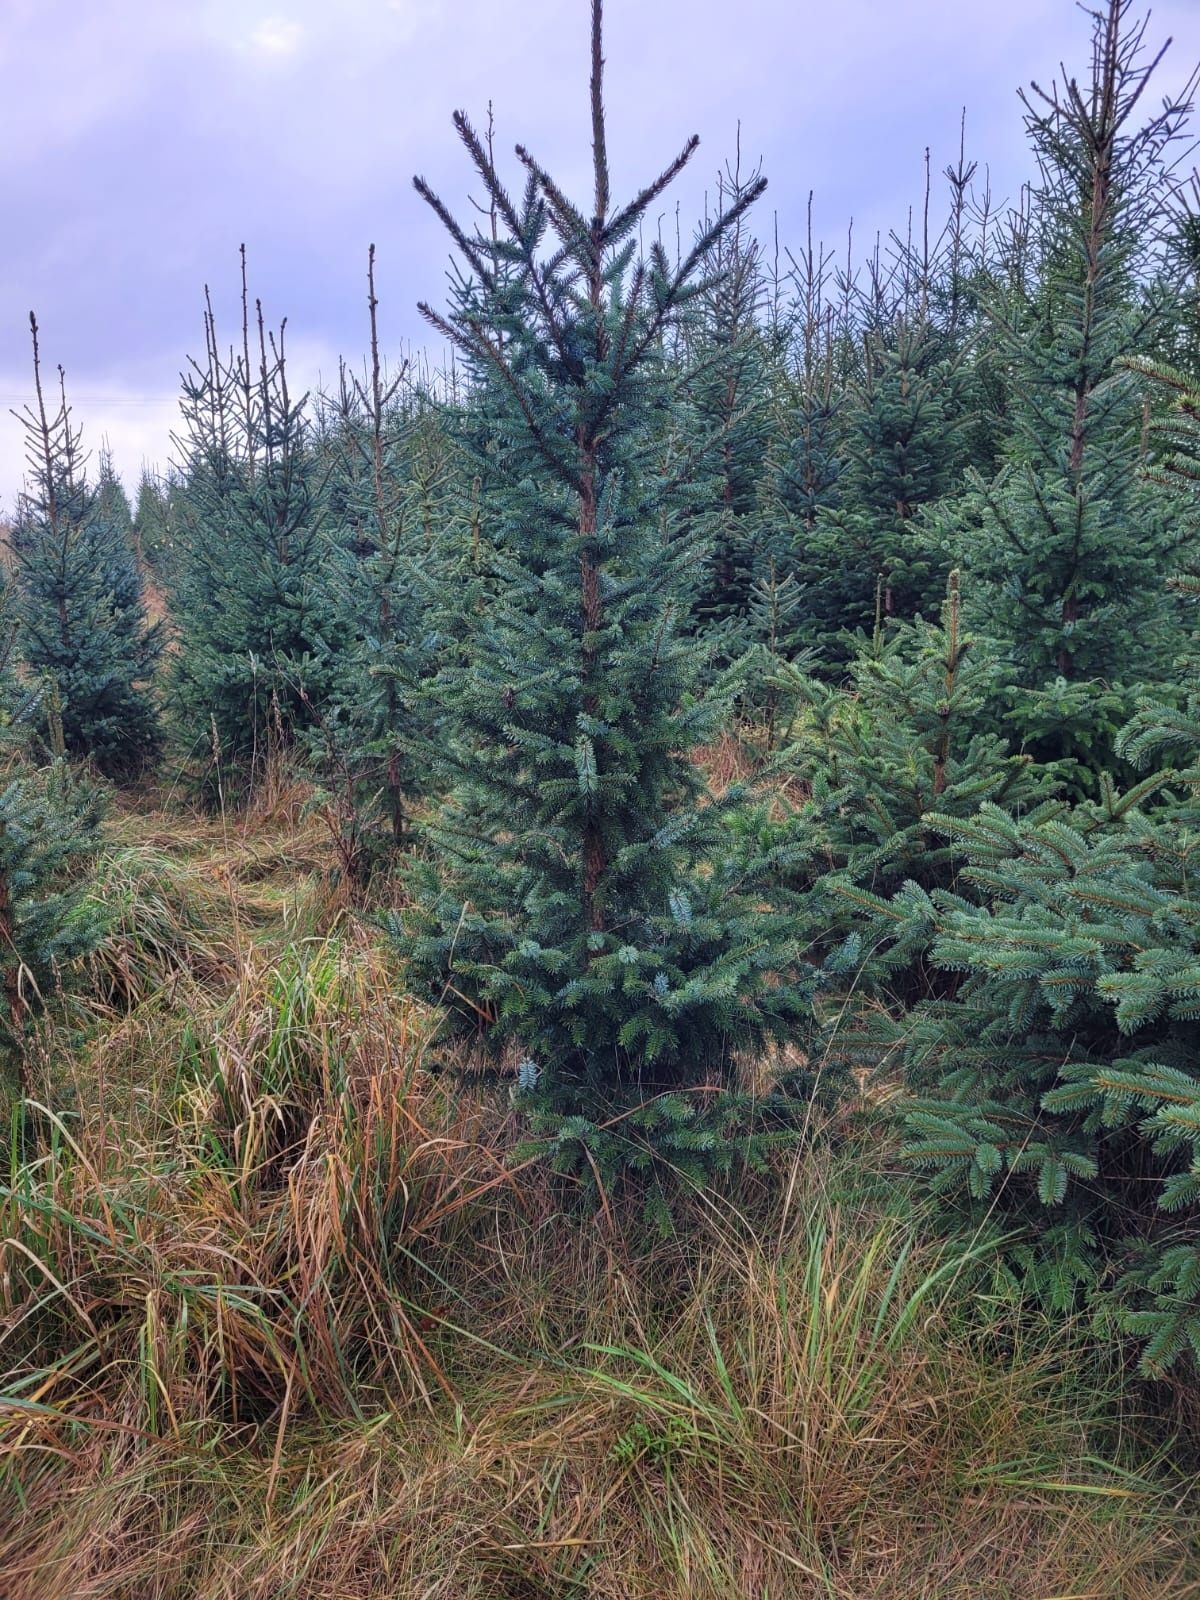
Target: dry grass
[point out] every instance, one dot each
(278, 1319)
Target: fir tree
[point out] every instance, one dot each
(80, 600)
(586, 905)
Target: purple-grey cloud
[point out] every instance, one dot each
(146, 141)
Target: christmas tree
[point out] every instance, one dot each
(80, 603)
(392, 475)
(258, 629)
(586, 906)
(1068, 546)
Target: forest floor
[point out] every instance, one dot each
(280, 1316)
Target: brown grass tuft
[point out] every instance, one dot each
(278, 1318)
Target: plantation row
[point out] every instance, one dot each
(910, 544)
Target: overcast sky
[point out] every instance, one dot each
(145, 139)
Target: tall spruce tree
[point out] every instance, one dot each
(257, 628)
(803, 459)
(585, 905)
(905, 445)
(388, 485)
(1068, 545)
(80, 601)
(729, 352)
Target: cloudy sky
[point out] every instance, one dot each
(146, 139)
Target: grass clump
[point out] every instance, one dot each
(299, 1328)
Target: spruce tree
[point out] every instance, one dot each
(1068, 545)
(80, 603)
(585, 906)
(727, 348)
(804, 456)
(905, 447)
(48, 832)
(258, 636)
(907, 736)
(155, 518)
(1056, 1078)
(112, 503)
(389, 481)
(1057, 1091)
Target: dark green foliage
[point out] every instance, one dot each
(12, 700)
(83, 623)
(1175, 432)
(48, 821)
(728, 390)
(907, 736)
(258, 628)
(393, 475)
(1064, 1064)
(585, 904)
(905, 447)
(775, 621)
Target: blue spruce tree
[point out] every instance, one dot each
(587, 906)
(1068, 546)
(258, 631)
(80, 603)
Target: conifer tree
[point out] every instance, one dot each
(10, 630)
(1068, 545)
(1058, 1070)
(155, 516)
(388, 521)
(586, 906)
(112, 503)
(804, 456)
(726, 346)
(775, 622)
(258, 634)
(48, 831)
(905, 447)
(907, 736)
(80, 603)
(1058, 1065)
